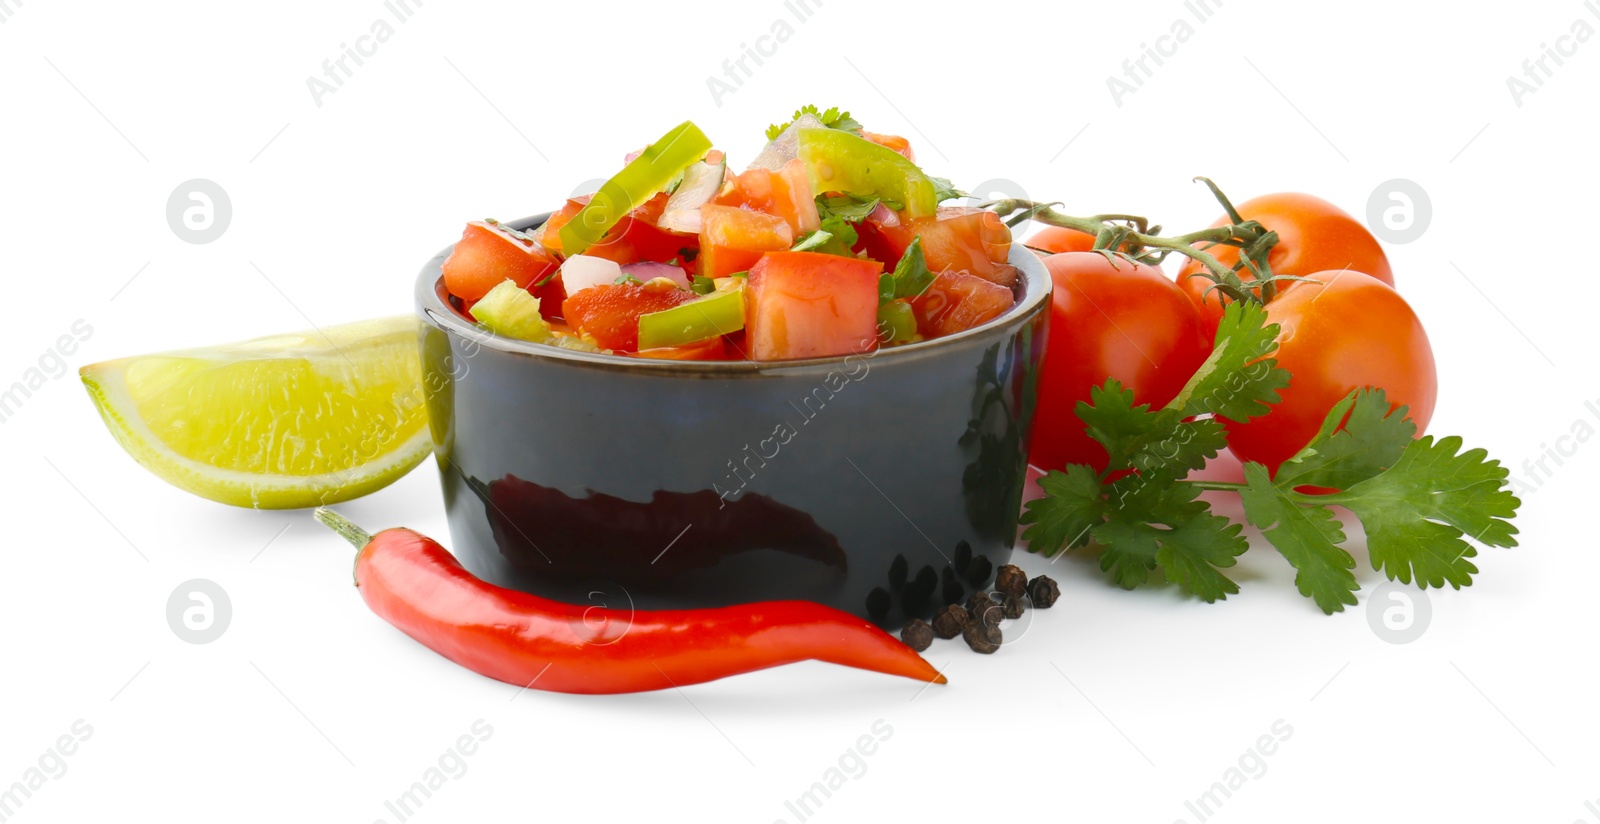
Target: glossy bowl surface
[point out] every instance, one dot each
(885, 484)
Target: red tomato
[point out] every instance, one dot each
(957, 301)
(551, 295)
(966, 239)
(1108, 319)
(811, 305)
(785, 193)
(708, 349)
(649, 241)
(610, 313)
(1313, 236)
(549, 235)
(733, 239)
(1347, 332)
(489, 254)
(892, 141)
(635, 237)
(1059, 239)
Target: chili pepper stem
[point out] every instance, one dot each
(347, 529)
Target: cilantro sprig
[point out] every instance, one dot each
(1422, 502)
(833, 118)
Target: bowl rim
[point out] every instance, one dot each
(434, 309)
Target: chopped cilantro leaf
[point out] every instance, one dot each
(811, 241)
(910, 278)
(833, 118)
(846, 207)
(944, 190)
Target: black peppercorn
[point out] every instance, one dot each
(984, 638)
(1010, 580)
(982, 608)
(1011, 607)
(917, 634)
(1043, 592)
(949, 621)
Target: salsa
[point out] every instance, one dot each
(832, 242)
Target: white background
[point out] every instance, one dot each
(1113, 706)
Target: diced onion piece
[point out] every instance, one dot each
(647, 271)
(579, 272)
(786, 146)
(700, 184)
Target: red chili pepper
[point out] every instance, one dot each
(415, 584)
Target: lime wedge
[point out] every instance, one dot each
(279, 422)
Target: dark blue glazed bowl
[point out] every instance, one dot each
(885, 484)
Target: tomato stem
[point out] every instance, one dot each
(1132, 235)
(1135, 242)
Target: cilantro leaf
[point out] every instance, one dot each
(811, 241)
(841, 231)
(1128, 550)
(1417, 513)
(833, 118)
(1183, 449)
(835, 237)
(1063, 517)
(1423, 503)
(944, 190)
(1155, 443)
(1359, 438)
(846, 207)
(1237, 381)
(1155, 523)
(1308, 537)
(1142, 524)
(911, 276)
(1198, 544)
(1110, 417)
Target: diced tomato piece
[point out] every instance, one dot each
(636, 236)
(647, 240)
(551, 295)
(956, 302)
(549, 235)
(733, 239)
(966, 239)
(785, 193)
(487, 255)
(709, 349)
(610, 313)
(892, 141)
(811, 305)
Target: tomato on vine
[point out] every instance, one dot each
(1337, 333)
(1110, 318)
(1313, 235)
(1059, 239)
